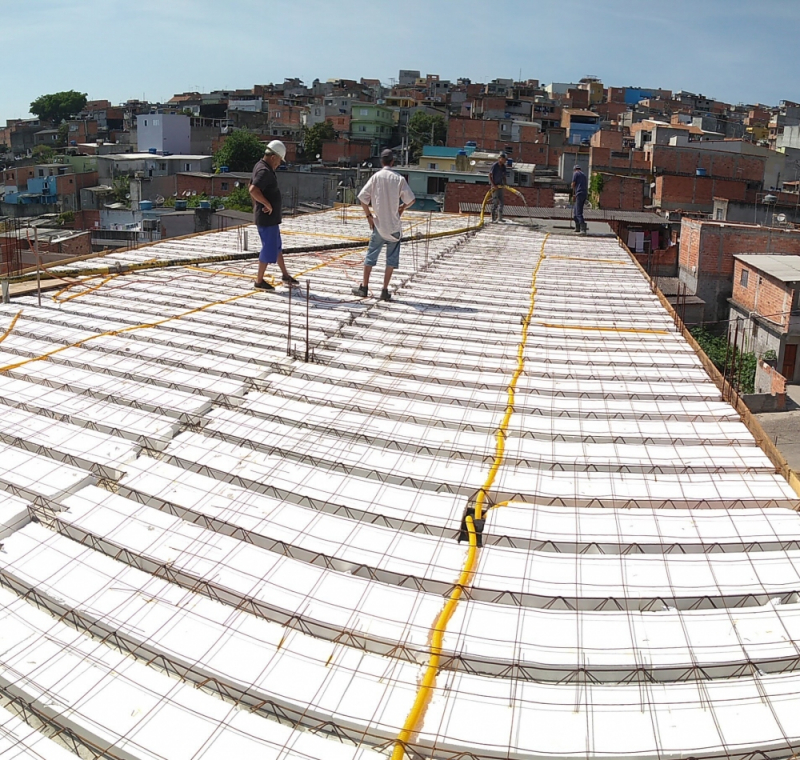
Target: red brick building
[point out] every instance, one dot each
(622, 193)
(673, 192)
(706, 260)
(457, 193)
(766, 304)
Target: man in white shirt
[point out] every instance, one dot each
(389, 195)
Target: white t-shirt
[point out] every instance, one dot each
(384, 191)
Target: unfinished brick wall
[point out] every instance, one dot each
(621, 161)
(607, 139)
(695, 193)
(709, 246)
(460, 131)
(621, 193)
(463, 192)
(672, 159)
(333, 150)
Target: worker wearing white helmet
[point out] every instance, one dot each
(266, 197)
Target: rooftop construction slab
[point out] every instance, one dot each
(506, 515)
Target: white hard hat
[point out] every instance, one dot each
(278, 148)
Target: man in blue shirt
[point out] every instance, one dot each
(497, 178)
(580, 189)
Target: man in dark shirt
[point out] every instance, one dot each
(266, 197)
(497, 178)
(580, 189)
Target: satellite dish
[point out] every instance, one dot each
(780, 218)
(318, 155)
(128, 196)
(472, 163)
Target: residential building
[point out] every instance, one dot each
(766, 306)
(580, 125)
(707, 250)
(145, 165)
(369, 121)
(163, 133)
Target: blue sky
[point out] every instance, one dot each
(728, 49)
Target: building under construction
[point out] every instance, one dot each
(512, 513)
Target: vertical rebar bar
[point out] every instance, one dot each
(725, 365)
(308, 300)
(289, 333)
(38, 265)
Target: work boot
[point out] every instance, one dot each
(385, 295)
(289, 280)
(361, 291)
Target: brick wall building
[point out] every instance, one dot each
(622, 193)
(766, 306)
(463, 192)
(706, 260)
(671, 159)
(693, 193)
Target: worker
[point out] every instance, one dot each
(266, 197)
(389, 196)
(580, 189)
(497, 179)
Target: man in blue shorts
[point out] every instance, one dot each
(389, 195)
(266, 197)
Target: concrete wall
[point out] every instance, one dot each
(164, 132)
(307, 187)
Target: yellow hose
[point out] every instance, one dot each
(428, 683)
(11, 326)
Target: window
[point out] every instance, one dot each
(743, 279)
(362, 129)
(155, 122)
(163, 166)
(431, 165)
(187, 167)
(436, 185)
(364, 111)
(224, 185)
(719, 215)
(145, 122)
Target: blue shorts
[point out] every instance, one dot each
(376, 242)
(271, 244)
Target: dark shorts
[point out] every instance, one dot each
(271, 244)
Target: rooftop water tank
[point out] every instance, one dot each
(224, 169)
(152, 150)
(146, 205)
(205, 204)
(181, 205)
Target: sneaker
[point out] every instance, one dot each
(263, 285)
(361, 291)
(385, 295)
(289, 280)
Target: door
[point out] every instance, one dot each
(789, 360)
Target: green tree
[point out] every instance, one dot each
(421, 127)
(717, 349)
(313, 137)
(58, 106)
(240, 152)
(239, 199)
(43, 153)
(63, 133)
